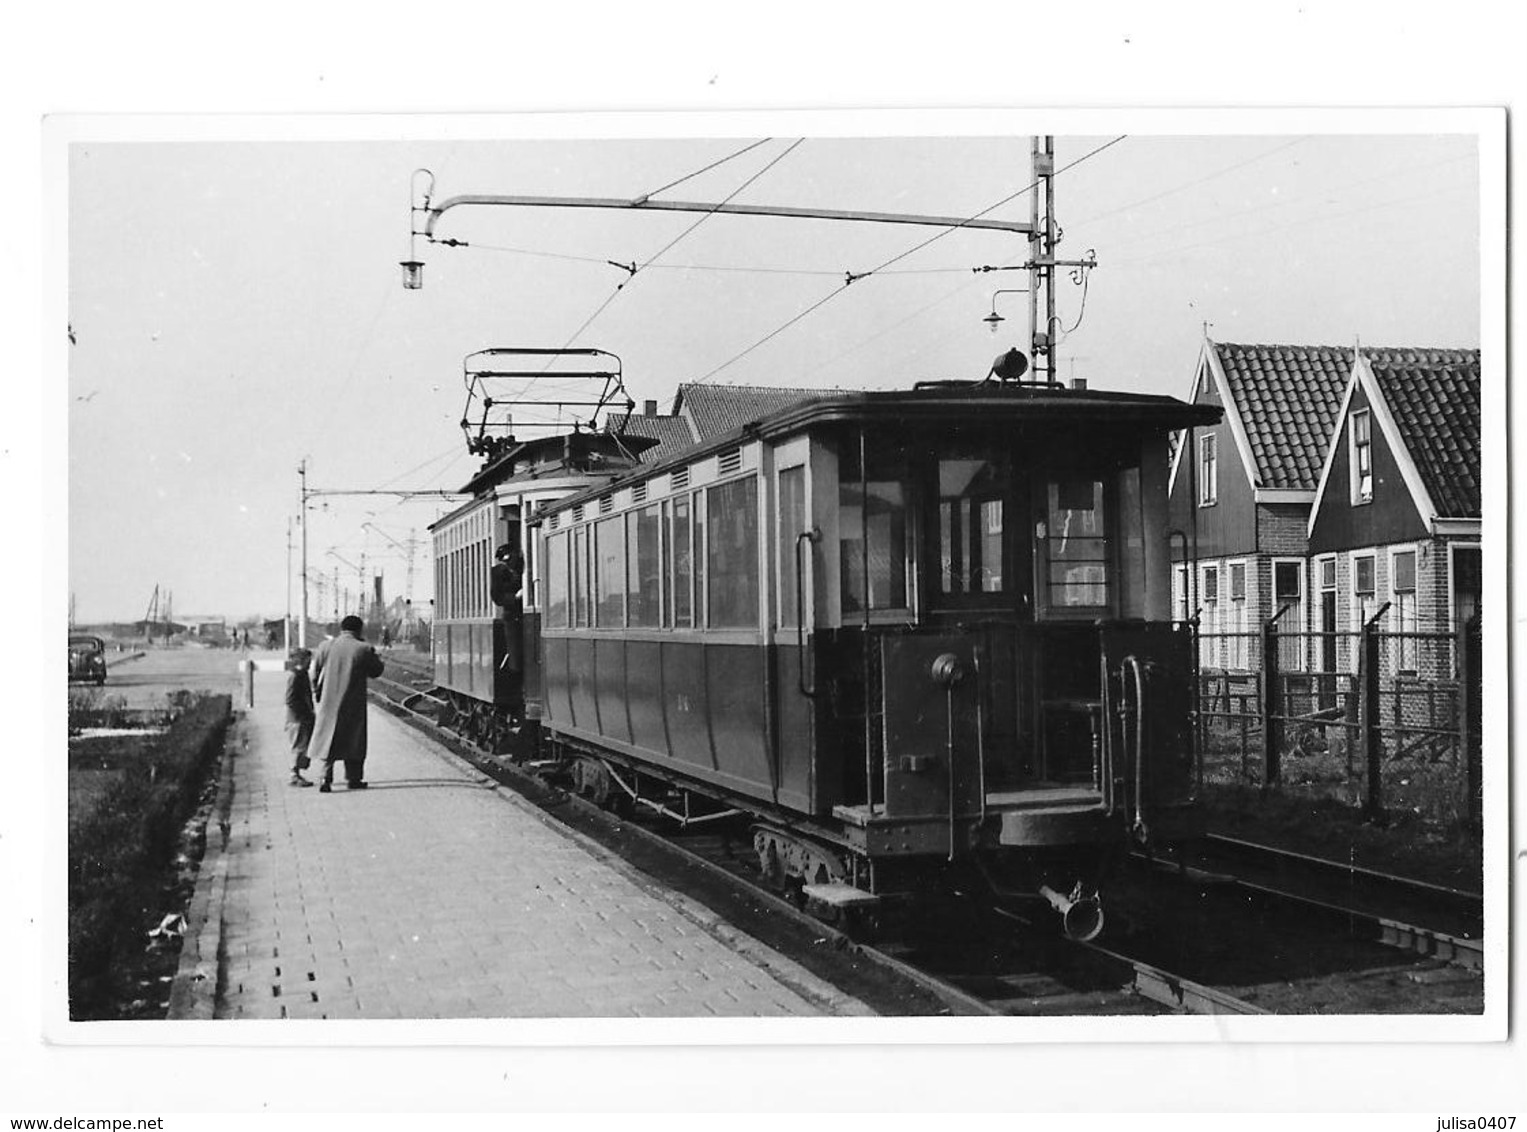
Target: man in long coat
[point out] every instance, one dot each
(339, 676)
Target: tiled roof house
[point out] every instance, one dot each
(704, 412)
(1338, 480)
(1245, 487)
(1397, 513)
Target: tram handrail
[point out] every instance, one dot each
(810, 536)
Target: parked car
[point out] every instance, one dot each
(87, 659)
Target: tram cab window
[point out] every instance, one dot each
(1072, 541)
(877, 574)
(972, 519)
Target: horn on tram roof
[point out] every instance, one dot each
(1010, 366)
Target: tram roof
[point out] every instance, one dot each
(931, 403)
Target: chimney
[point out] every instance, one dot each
(649, 408)
(1079, 383)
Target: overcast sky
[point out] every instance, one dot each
(236, 306)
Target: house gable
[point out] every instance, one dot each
(1228, 526)
(1394, 514)
(1433, 401)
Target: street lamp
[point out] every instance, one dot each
(994, 319)
(413, 266)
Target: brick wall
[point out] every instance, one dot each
(1282, 529)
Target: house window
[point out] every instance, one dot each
(1327, 643)
(1362, 456)
(1180, 592)
(1236, 648)
(1364, 590)
(1402, 573)
(1208, 618)
(1208, 470)
(1288, 591)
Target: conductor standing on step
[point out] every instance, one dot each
(340, 673)
(504, 583)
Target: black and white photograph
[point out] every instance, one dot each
(606, 584)
(769, 577)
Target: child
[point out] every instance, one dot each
(299, 713)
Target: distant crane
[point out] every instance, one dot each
(150, 614)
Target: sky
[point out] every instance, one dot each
(236, 306)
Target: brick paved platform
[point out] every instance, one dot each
(437, 894)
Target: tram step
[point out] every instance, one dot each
(839, 895)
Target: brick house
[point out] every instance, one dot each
(1396, 517)
(1245, 488)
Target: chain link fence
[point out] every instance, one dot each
(1382, 721)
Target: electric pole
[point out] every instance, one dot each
(1042, 258)
(287, 624)
(302, 472)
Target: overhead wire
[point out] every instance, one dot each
(1158, 233)
(825, 299)
(706, 169)
(621, 285)
(1193, 183)
(1327, 218)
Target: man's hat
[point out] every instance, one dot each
(352, 624)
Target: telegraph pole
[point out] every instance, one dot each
(286, 627)
(302, 472)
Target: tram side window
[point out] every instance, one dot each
(580, 577)
(681, 613)
(610, 573)
(792, 521)
(556, 581)
(732, 555)
(1072, 540)
(644, 562)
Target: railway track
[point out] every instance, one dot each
(1186, 940)
(1426, 918)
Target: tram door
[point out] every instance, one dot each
(933, 751)
(978, 579)
(506, 587)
